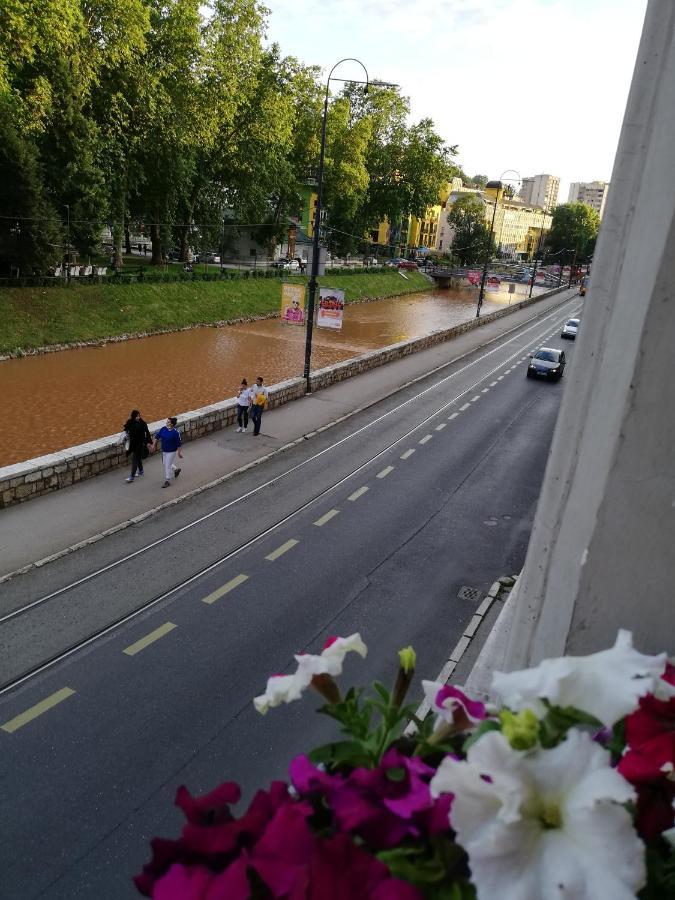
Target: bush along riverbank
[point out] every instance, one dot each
(34, 318)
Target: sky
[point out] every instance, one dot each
(530, 85)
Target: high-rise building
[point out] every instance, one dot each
(540, 190)
(593, 193)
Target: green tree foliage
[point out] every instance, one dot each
(478, 181)
(467, 218)
(175, 114)
(574, 229)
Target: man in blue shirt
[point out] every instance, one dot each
(169, 437)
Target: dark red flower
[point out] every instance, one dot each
(649, 761)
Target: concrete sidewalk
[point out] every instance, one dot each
(57, 523)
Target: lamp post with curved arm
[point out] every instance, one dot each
(317, 219)
(481, 293)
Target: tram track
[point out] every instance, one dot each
(521, 331)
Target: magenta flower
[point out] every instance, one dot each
(382, 805)
(452, 706)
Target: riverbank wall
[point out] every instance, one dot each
(44, 474)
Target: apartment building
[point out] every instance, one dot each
(593, 193)
(540, 190)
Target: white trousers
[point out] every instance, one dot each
(167, 459)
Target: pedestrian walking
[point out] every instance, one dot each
(243, 403)
(169, 438)
(139, 439)
(259, 398)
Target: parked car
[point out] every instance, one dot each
(570, 329)
(407, 264)
(288, 265)
(206, 257)
(175, 255)
(547, 361)
(370, 261)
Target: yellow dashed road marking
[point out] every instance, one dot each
(427, 437)
(408, 453)
(440, 427)
(327, 517)
(355, 496)
(225, 588)
(275, 554)
(25, 717)
(385, 472)
(144, 642)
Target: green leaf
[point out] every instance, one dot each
(341, 753)
(485, 726)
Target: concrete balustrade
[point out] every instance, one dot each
(34, 477)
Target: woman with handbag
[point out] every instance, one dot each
(139, 440)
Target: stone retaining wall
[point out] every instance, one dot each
(34, 477)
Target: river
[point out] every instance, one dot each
(60, 399)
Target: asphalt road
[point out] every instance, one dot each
(88, 777)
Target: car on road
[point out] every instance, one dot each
(570, 329)
(407, 264)
(547, 361)
(289, 265)
(206, 257)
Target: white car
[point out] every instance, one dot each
(570, 329)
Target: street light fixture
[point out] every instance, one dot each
(481, 293)
(317, 209)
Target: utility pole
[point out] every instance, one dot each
(573, 263)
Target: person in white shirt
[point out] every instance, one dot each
(259, 397)
(243, 403)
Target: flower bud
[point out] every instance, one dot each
(407, 659)
(521, 729)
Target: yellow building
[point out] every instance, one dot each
(518, 225)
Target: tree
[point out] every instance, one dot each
(478, 181)
(467, 218)
(574, 228)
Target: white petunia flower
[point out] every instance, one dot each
(543, 824)
(331, 658)
(286, 688)
(607, 685)
(281, 689)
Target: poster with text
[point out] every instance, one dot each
(331, 308)
(293, 303)
(492, 283)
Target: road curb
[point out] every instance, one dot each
(470, 634)
(138, 519)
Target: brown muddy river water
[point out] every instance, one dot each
(56, 400)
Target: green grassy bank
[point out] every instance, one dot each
(37, 317)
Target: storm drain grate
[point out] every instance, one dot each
(468, 593)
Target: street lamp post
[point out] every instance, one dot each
(317, 220)
(481, 293)
(537, 250)
(317, 210)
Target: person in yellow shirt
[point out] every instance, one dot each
(259, 398)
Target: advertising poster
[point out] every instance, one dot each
(293, 303)
(492, 283)
(331, 308)
(473, 276)
(540, 276)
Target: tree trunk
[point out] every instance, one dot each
(117, 234)
(183, 243)
(156, 240)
